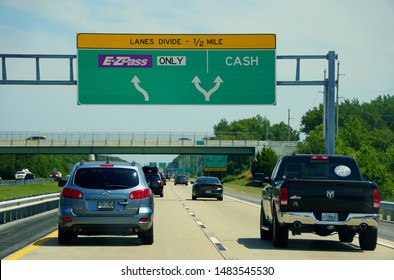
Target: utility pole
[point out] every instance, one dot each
(288, 121)
(337, 105)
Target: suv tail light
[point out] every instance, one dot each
(283, 196)
(71, 193)
(161, 183)
(376, 199)
(140, 194)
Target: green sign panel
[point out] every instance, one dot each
(215, 163)
(177, 69)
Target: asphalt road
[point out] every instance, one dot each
(186, 229)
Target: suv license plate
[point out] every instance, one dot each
(329, 217)
(105, 204)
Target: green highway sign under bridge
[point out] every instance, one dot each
(176, 69)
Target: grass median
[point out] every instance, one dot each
(19, 191)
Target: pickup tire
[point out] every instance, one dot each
(280, 235)
(264, 234)
(368, 239)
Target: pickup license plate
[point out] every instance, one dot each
(329, 217)
(105, 204)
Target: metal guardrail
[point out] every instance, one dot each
(15, 209)
(388, 209)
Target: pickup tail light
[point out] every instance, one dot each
(71, 193)
(376, 198)
(283, 196)
(320, 157)
(140, 194)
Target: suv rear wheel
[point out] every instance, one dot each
(147, 237)
(64, 236)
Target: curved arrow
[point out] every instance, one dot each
(218, 81)
(196, 81)
(136, 82)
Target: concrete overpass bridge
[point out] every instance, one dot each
(37, 142)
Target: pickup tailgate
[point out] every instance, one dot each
(327, 196)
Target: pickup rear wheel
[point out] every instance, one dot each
(368, 239)
(280, 235)
(264, 234)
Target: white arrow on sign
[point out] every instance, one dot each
(196, 81)
(136, 82)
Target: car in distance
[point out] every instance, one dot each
(36, 138)
(56, 175)
(163, 178)
(181, 179)
(207, 186)
(30, 176)
(155, 183)
(105, 198)
(154, 179)
(20, 175)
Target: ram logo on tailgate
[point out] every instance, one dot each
(330, 194)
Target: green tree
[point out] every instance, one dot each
(313, 143)
(264, 161)
(312, 119)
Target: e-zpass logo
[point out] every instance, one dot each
(122, 60)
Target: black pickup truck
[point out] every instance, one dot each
(321, 194)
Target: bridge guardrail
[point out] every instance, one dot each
(15, 209)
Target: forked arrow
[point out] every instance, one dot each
(196, 81)
(136, 82)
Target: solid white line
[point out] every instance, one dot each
(243, 201)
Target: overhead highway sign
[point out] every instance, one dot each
(176, 69)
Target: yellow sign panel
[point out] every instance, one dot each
(176, 41)
(215, 169)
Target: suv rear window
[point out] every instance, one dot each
(111, 178)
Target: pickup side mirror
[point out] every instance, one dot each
(267, 180)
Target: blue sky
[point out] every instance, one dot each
(359, 31)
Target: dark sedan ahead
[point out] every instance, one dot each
(207, 187)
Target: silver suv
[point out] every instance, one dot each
(104, 198)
